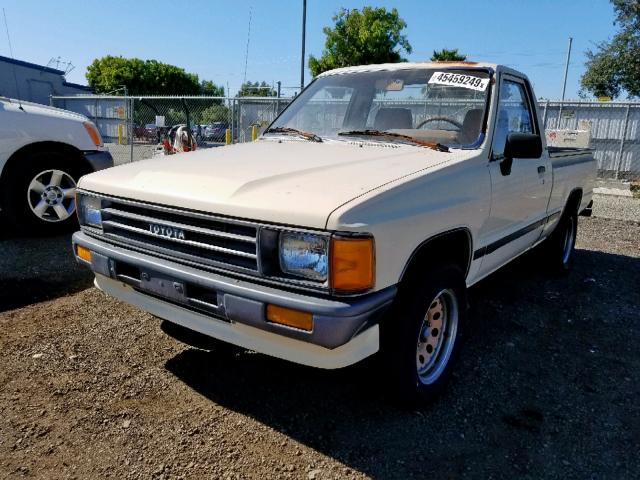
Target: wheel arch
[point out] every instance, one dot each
(455, 245)
(574, 199)
(13, 162)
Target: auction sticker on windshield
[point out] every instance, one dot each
(459, 80)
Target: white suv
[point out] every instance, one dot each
(43, 153)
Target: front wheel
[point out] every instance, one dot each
(421, 337)
(39, 197)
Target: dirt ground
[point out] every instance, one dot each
(547, 386)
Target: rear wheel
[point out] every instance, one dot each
(560, 246)
(421, 337)
(39, 195)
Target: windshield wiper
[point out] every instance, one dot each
(380, 133)
(292, 131)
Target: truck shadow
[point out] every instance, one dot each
(530, 369)
(35, 269)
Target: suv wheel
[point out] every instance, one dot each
(39, 195)
(51, 195)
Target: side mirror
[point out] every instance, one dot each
(520, 145)
(523, 145)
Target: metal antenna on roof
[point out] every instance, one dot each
(15, 76)
(246, 55)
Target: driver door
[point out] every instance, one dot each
(520, 193)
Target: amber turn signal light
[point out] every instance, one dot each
(290, 317)
(352, 263)
(83, 253)
(93, 133)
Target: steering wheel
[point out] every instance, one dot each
(453, 122)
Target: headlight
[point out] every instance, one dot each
(304, 255)
(88, 209)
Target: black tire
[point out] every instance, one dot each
(15, 195)
(402, 330)
(558, 249)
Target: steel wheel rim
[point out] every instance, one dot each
(569, 237)
(437, 336)
(51, 195)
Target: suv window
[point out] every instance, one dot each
(514, 114)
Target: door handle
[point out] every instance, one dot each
(542, 169)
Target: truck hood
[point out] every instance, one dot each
(292, 182)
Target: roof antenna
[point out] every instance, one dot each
(15, 77)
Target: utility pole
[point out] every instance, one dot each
(564, 83)
(566, 68)
(304, 31)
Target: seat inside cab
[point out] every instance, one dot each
(400, 120)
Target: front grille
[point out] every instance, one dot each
(197, 238)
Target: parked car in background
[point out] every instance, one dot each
(147, 133)
(216, 131)
(43, 153)
(353, 226)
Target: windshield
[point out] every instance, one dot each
(439, 105)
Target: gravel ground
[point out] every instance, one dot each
(547, 386)
(620, 208)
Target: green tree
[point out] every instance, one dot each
(213, 113)
(372, 35)
(145, 77)
(256, 89)
(614, 66)
(446, 55)
(207, 87)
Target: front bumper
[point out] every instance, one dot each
(99, 159)
(344, 330)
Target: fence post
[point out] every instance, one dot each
(544, 116)
(232, 103)
(624, 135)
(130, 104)
(560, 114)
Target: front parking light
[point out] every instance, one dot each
(93, 133)
(83, 253)
(352, 264)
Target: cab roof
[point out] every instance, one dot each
(391, 67)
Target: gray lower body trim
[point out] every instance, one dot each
(99, 160)
(492, 247)
(335, 320)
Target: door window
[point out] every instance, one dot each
(514, 115)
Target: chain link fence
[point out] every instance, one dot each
(138, 128)
(613, 132)
(133, 128)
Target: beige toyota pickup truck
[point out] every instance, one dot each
(354, 225)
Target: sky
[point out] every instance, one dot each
(210, 37)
